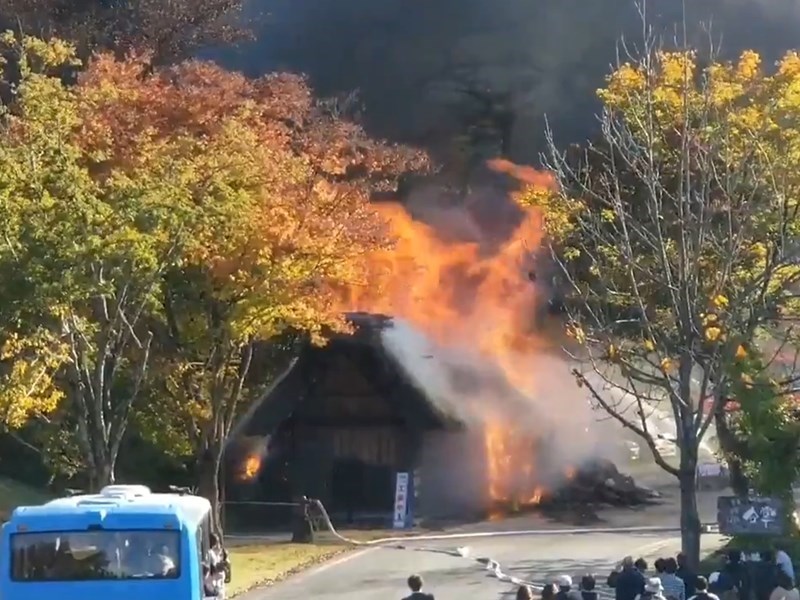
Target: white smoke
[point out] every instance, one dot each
(465, 384)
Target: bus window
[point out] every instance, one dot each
(93, 555)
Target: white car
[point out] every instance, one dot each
(666, 447)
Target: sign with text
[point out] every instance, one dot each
(401, 491)
(750, 516)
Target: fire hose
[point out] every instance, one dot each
(492, 567)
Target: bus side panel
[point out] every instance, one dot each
(5, 560)
(192, 572)
(174, 589)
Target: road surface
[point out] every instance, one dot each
(380, 573)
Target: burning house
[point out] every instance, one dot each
(348, 416)
(345, 419)
(461, 386)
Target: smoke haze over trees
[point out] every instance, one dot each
(409, 59)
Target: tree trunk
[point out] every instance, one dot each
(739, 481)
(690, 517)
(687, 478)
(732, 449)
(102, 474)
(208, 481)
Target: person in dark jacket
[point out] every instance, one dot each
(733, 577)
(588, 584)
(765, 575)
(701, 585)
(630, 581)
(415, 585)
(641, 565)
(549, 592)
(688, 575)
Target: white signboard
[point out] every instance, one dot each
(400, 500)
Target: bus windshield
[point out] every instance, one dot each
(95, 555)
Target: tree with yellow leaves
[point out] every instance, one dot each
(681, 242)
(94, 223)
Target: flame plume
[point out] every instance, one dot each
(472, 291)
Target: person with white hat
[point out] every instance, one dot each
(653, 590)
(565, 591)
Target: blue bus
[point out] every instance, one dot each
(123, 543)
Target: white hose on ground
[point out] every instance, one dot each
(492, 566)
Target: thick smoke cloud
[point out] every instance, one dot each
(548, 55)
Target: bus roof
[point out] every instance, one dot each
(119, 501)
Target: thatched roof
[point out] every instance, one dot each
(295, 385)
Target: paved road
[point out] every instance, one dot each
(379, 573)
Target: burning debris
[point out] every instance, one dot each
(515, 478)
(600, 481)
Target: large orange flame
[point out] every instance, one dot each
(478, 294)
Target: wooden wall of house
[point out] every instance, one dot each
(349, 433)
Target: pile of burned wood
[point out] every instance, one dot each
(600, 482)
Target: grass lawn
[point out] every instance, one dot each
(255, 564)
(13, 494)
(258, 564)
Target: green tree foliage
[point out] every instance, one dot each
(679, 243)
(97, 222)
(765, 422)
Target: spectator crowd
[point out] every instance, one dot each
(765, 576)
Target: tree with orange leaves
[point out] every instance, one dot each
(177, 218)
(289, 222)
